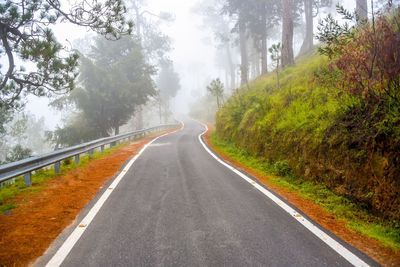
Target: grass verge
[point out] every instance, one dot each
(40, 178)
(354, 215)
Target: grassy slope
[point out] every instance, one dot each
(277, 131)
(302, 105)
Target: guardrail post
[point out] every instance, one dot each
(91, 152)
(102, 148)
(77, 159)
(28, 179)
(57, 167)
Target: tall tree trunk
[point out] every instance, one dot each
(231, 66)
(159, 109)
(166, 110)
(254, 62)
(138, 26)
(116, 129)
(264, 56)
(287, 33)
(138, 23)
(226, 71)
(243, 52)
(264, 45)
(308, 42)
(258, 64)
(139, 117)
(362, 9)
(256, 51)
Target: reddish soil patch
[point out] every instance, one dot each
(40, 217)
(383, 255)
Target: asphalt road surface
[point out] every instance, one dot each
(178, 206)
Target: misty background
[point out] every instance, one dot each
(185, 44)
(194, 54)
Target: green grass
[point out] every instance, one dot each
(264, 119)
(40, 178)
(355, 216)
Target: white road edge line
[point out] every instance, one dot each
(73, 238)
(336, 246)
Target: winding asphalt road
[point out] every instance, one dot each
(178, 206)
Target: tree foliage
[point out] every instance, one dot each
(216, 89)
(155, 43)
(76, 131)
(168, 80)
(5, 116)
(115, 80)
(24, 130)
(335, 35)
(168, 84)
(370, 63)
(28, 41)
(17, 153)
(367, 56)
(276, 50)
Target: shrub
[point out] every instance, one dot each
(282, 168)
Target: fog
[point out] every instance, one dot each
(199, 55)
(193, 55)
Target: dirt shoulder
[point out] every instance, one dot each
(369, 246)
(39, 218)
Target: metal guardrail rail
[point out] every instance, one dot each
(26, 166)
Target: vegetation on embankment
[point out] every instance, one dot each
(331, 122)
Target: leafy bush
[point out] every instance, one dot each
(282, 168)
(18, 153)
(370, 63)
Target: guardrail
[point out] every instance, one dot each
(26, 166)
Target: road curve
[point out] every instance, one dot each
(177, 206)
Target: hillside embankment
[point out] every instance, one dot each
(319, 132)
(319, 124)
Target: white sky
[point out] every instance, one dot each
(193, 58)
